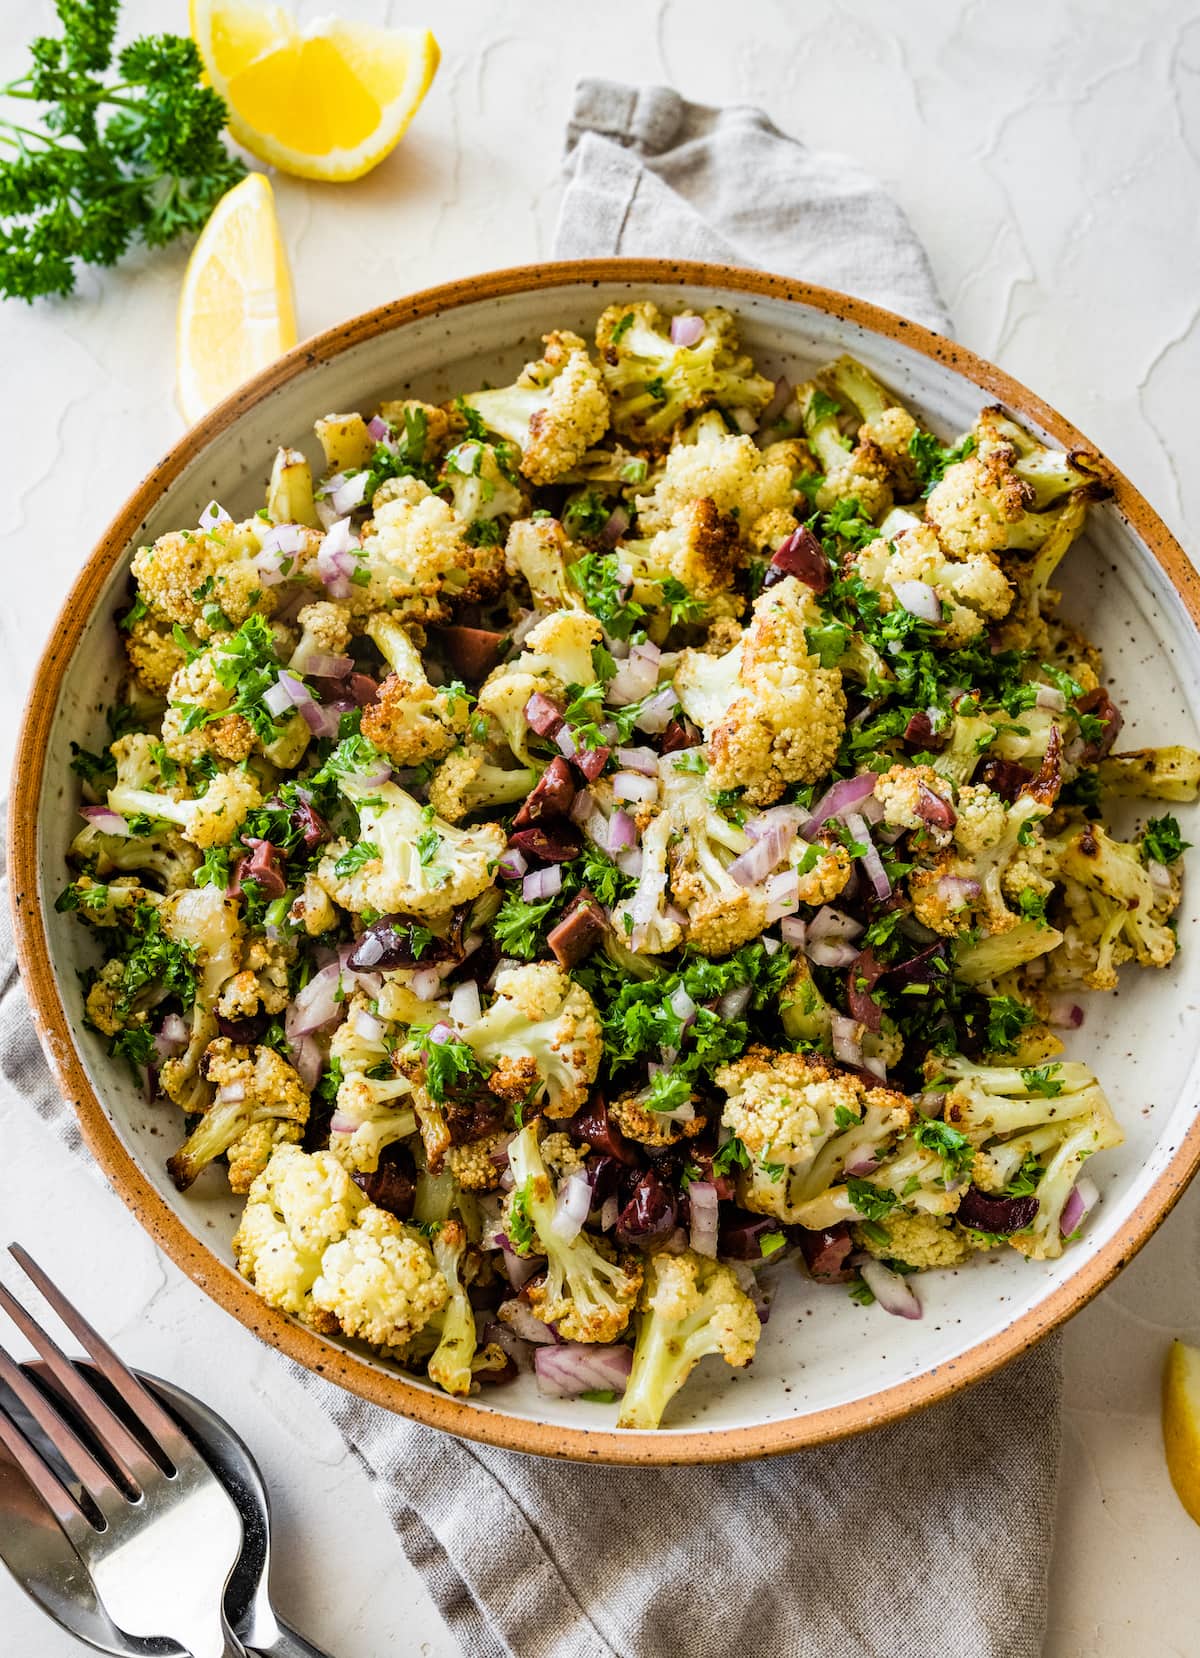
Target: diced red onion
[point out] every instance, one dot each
(214, 517)
(1160, 875)
(325, 513)
(566, 741)
(615, 526)
(842, 797)
(872, 863)
(441, 1033)
(787, 818)
(378, 428)
(426, 984)
(751, 868)
(832, 952)
(782, 893)
(465, 1006)
(622, 831)
(632, 785)
(1083, 1198)
(542, 883)
(322, 719)
(873, 1063)
(847, 1042)
(368, 1026)
(518, 1317)
(931, 1104)
(634, 679)
(609, 1210)
(771, 945)
(335, 561)
(642, 760)
(512, 864)
(571, 1209)
(308, 1060)
(703, 1202)
(283, 538)
(574, 1367)
(105, 820)
(919, 599)
(350, 493)
(231, 1093)
(317, 1005)
(172, 1037)
(309, 658)
(1048, 697)
(831, 923)
(890, 1290)
(630, 862)
(934, 809)
(596, 828)
(794, 931)
(687, 331)
(734, 1002)
(508, 1341)
(341, 1123)
(657, 712)
(1063, 1013)
(862, 1164)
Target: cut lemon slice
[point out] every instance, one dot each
(1181, 1423)
(235, 312)
(328, 101)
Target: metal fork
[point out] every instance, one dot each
(155, 1527)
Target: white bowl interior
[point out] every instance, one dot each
(819, 1350)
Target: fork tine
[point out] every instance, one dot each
(163, 1428)
(131, 1460)
(95, 1480)
(41, 1477)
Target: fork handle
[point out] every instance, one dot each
(288, 1643)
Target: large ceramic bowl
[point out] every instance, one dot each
(825, 1367)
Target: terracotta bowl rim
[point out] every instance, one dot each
(339, 1365)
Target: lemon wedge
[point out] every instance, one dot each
(235, 313)
(1181, 1423)
(328, 101)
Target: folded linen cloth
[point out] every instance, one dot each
(935, 1530)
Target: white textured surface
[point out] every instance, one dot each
(1053, 184)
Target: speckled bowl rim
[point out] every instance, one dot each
(221, 1282)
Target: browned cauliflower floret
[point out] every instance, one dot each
(153, 652)
(977, 504)
(555, 412)
(657, 376)
(410, 720)
(919, 1240)
(326, 627)
(258, 1102)
(477, 1164)
(561, 1155)
(699, 550)
(783, 720)
(914, 797)
(731, 471)
(973, 589)
(196, 722)
(262, 983)
(313, 909)
(415, 558)
(207, 581)
(380, 1281)
(652, 1128)
(541, 1039)
(884, 423)
(830, 871)
(211, 819)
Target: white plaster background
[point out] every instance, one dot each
(1049, 156)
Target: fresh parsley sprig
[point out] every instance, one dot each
(106, 161)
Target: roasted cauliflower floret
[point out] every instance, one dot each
(211, 819)
(860, 474)
(483, 485)
(555, 412)
(210, 581)
(259, 1103)
(587, 1293)
(919, 1240)
(380, 1281)
(470, 780)
(689, 1307)
(658, 371)
(885, 423)
(972, 590)
(651, 1128)
(732, 472)
(540, 1039)
(557, 653)
(153, 652)
(699, 552)
(201, 718)
(416, 557)
(477, 1165)
(415, 863)
(785, 719)
(978, 505)
(410, 720)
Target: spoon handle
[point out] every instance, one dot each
(289, 1643)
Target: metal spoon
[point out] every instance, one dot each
(51, 1573)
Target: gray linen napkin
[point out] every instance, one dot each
(933, 1532)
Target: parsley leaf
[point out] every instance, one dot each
(1162, 840)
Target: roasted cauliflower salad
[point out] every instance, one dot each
(599, 848)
